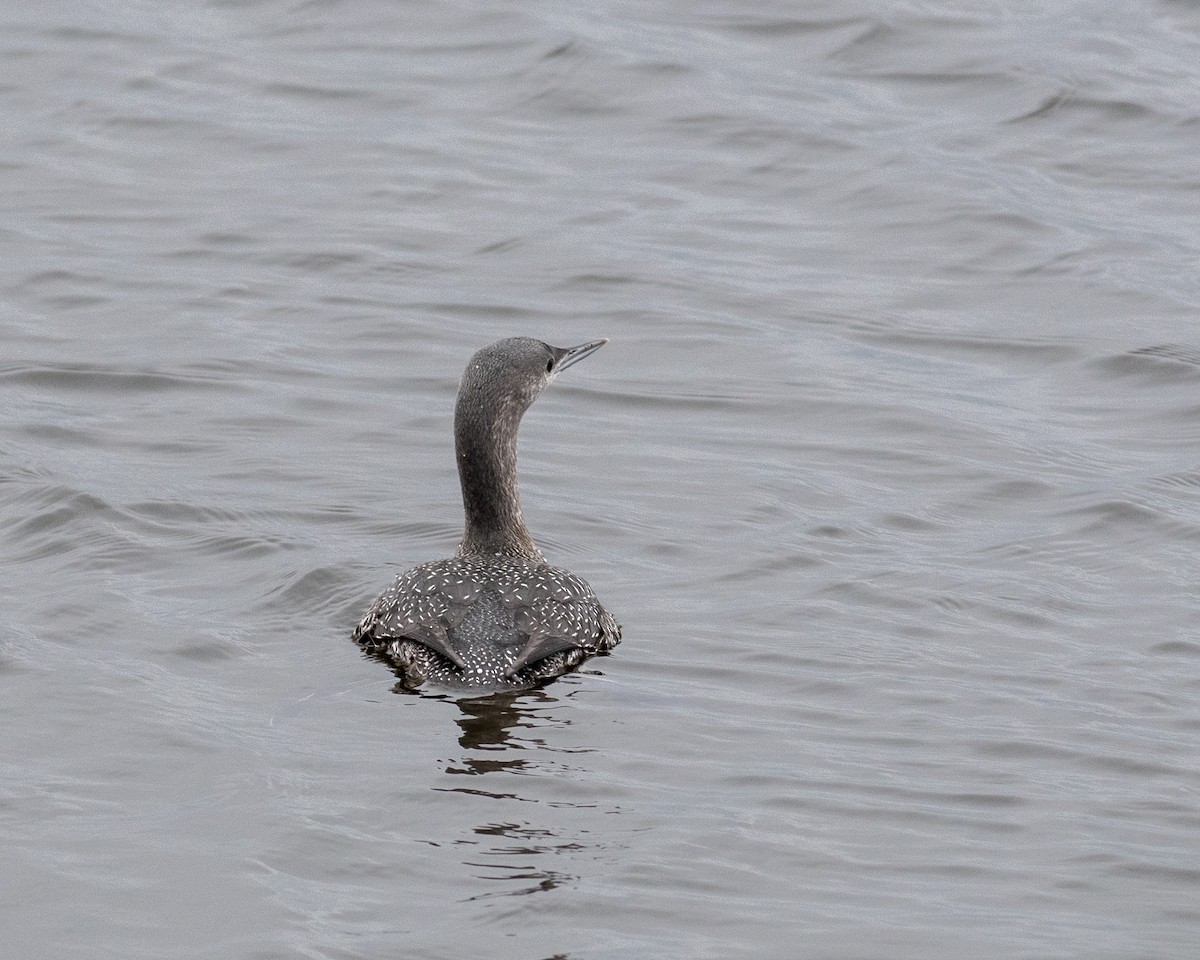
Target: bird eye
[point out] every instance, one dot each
(550, 365)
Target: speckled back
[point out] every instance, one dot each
(491, 618)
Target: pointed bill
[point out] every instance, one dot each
(572, 355)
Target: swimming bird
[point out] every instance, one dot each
(495, 615)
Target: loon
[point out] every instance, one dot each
(495, 615)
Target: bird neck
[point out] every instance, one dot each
(485, 441)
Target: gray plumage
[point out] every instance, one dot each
(495, 615)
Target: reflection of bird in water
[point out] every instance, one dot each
(495, 615)
(521, 856)
(487, 722)
(487, 725)
(526, 840)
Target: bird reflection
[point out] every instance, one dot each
(508, 746)
(487, 724)
(516, 809)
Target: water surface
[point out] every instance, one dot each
(890, 472)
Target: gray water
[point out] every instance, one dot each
(891, 472)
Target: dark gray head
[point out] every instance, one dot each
(508, 375)
(499, 384)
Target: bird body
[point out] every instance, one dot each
(495, 615)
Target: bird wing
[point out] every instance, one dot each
(559, 613)
(416, 607)
(538, 648)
